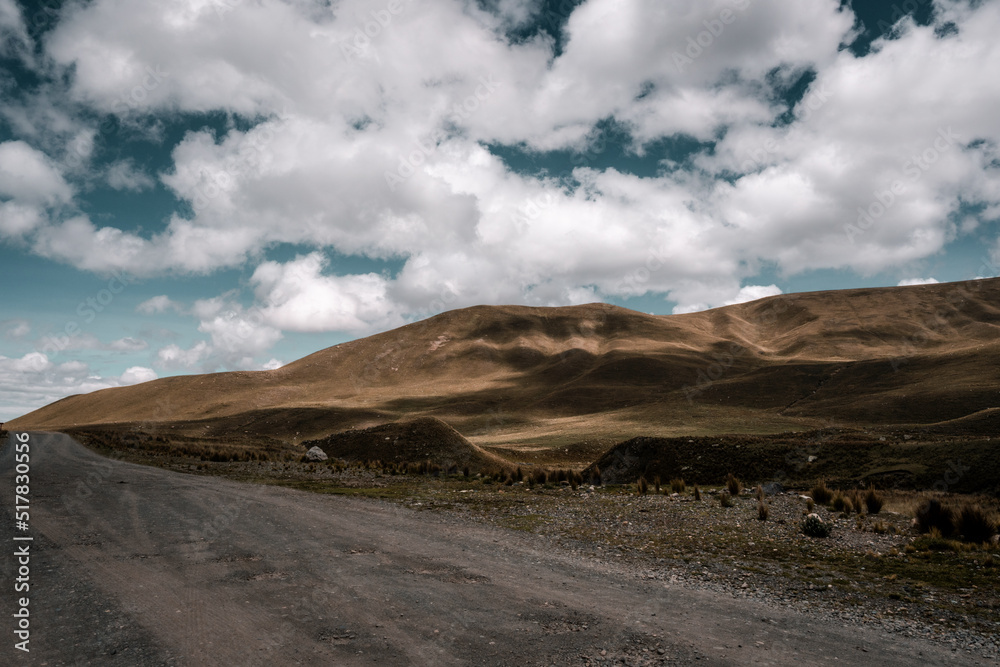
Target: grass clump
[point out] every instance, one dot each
(841, 503)
(697, 493)
(733, 485)
(677, 485)
(873, 501)
(725, 500)
(763, 511)
(932, 514)
(642, 486)
(821, 494)
(976, 524)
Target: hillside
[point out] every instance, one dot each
(513, 374)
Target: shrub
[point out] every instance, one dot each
(733, 484)
(857, 501)
(656, 483)
(880, 527)
(725, 499)
(976, 524)
(595, 476)
(677, 485)
(810, 506)
(763, 511)
(697, 493)
(841, 503)
(643, 486)
(760, 493)
(541, 477)
(873, 501)
(932, 514)
(509, 481)
(814, 526)
(821, 494)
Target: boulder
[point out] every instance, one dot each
(773, 488)
(316, 454)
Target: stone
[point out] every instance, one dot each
(316, 454)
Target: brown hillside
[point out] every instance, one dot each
(510, 374)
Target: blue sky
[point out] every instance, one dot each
(194, 186)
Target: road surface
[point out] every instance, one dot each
(134, 565)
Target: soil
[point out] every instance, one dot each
(135, 565)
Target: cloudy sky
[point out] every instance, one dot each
(202, 185)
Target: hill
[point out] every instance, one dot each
(527, 377)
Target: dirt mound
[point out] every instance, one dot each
(414, 441)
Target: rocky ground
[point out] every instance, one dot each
(873, 570)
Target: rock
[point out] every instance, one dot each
(316, 454)
(773, 488)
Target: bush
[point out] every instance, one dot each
(656, 483)
(841, 503)
(814, 526)
(697, 493)
(810, 506)
(932, 514)
(733, 484)
(677, 485)
(821, 494)
(725, 499)
(643, 486)
(873, 501)
(595, 476)
(760, 493)
(763, 511)
(976, 524)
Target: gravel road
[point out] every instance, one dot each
(133, 565)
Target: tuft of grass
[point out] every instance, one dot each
(933, 515)
(656, 483)
(873, 500)
(821, 494)
(697, 493)
(733, 484)
(810, 506)
(841, 503)
(595, 476)
(725, 500)
(642, 486)
(763, 511)
(677, 485)
(976, 524)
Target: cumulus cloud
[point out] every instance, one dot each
(917, 281)
(34, 380)
(125, 175)
(375, 144)
(15, 329)
(158, 304)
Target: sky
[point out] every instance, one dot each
(191, 186)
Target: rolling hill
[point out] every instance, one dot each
(524, 377)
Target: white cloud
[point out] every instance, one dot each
(125, 175)
(15, 329)
(752, 293)
(158, 304)
(336, 120)
(137, 374)
(917, 281)
(28, 176)
(31, 381)
(299, 298)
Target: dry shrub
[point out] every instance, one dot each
(677, 485)
(643, 486)
(697, 493)
(733, 484)
(821, 494)
(763, 511)
(976, 524)
(932, 514)
(725, 500)
(874, 500)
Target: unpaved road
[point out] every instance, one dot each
(133, 565)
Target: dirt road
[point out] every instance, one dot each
(132, 565)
